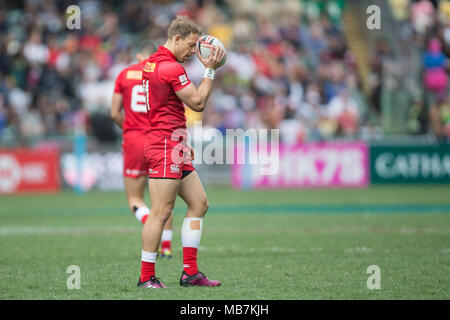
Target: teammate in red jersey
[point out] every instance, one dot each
(168, 88)
(129, 97)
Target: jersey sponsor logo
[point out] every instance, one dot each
(183, 79)
(134, 75)
(174, 168)
(149, 67)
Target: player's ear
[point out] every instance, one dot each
(177, 38)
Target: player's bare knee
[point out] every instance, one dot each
(204, 206)
(166, 215)
(162, 214)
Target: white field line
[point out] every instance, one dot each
(332, 230)
(33, 230)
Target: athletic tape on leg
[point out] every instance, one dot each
(191, 232)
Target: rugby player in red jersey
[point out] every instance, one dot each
(168, 89)
(129, 97)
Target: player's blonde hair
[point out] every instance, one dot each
(183, 26)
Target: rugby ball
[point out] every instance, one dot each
(205, 45)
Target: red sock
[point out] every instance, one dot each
(144, 218)
(165, 244)
(147, 270)
(190, 260)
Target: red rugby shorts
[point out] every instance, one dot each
(133, 145)
(167, 158)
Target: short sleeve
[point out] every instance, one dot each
(175, 75)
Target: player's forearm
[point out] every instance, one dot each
(117, 118)
(203, 93)
(116, 109)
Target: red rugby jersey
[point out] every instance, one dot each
(129, 85)
(164, 76)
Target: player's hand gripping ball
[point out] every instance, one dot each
(205, 45)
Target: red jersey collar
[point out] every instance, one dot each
(167, 52)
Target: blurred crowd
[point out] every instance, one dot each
(288, 66)
(425, 25)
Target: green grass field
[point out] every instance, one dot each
(284, 244)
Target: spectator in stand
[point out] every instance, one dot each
(416, 122)
(333, 79)
(422, 13)
(345, 111)
(312, 115)
(435, 64)
(440, 118)
(380, 56)
(400, 9)
(35, 51)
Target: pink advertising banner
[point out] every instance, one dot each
(325, 164)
